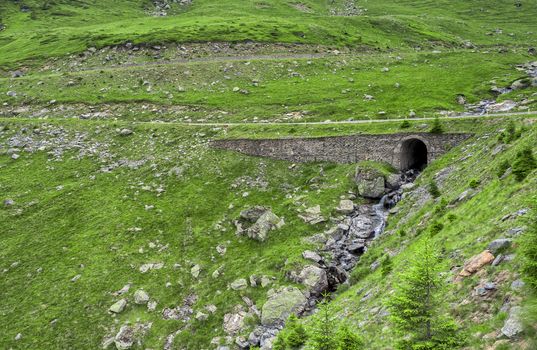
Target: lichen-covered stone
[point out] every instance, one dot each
(281, 304)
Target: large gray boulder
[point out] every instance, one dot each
(141, 297)
(124, 338)
(314, 278)
(239, 284)
(346, 206)
(521, 84)
(513, 325)
(234, 322)
(499, 245)
(118, 306)
(281, 304)
(370, 182)
(257, 222)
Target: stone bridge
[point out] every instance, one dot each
(403, 150)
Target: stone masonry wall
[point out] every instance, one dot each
(342, 149)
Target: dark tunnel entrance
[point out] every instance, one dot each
(413, 155)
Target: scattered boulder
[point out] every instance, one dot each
(497, 260)
(476, 263)
(265, 281)
(521, 84)
(123, 290)
(195, 271)
(233, 323)
(119, 306)
(346, 206)
(499, 149)
(499, 245)
(513, 325)
(314, 278)
(151, 266)
(211, 308)
(141, 297)
(151, 305)
(504, 106)
(312, 215)
(239, 284)
(221, 249)
(461, 99)
(125, 132)
(9, 202)
(124, 338)
(182, 312)
(200, 316)
(313, 256)
(256, 222)
(393, 181)
(370, 182)
(517, 285)
(281, 304)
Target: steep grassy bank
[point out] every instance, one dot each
(477, 204)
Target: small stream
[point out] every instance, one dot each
(359, 229)
(346, 244)
(491, 105)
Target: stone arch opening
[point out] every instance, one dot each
(413, 154)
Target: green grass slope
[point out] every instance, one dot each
(491, 208)
(83, 209)
(372, 86)
(54, 28)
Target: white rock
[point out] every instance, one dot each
(239, 284)
(152, 305)
(195, 271)
(141, 297)
(118, 306)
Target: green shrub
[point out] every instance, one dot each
(510, 134)
(279, 343)
(295, 335)
(359, 273)
(405, 124)
(502, 168)
(436, 227)
(433, 189)
(386, 266)
(523, 164)
(474, 183)
(347, 339)
(417, 304)
(323, 330)
(529, 256)
(437, 127)
(441, 207)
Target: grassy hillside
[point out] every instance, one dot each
(474, 208)
(99, 205)
(331, 88)
(108, 185)
(40, 29)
